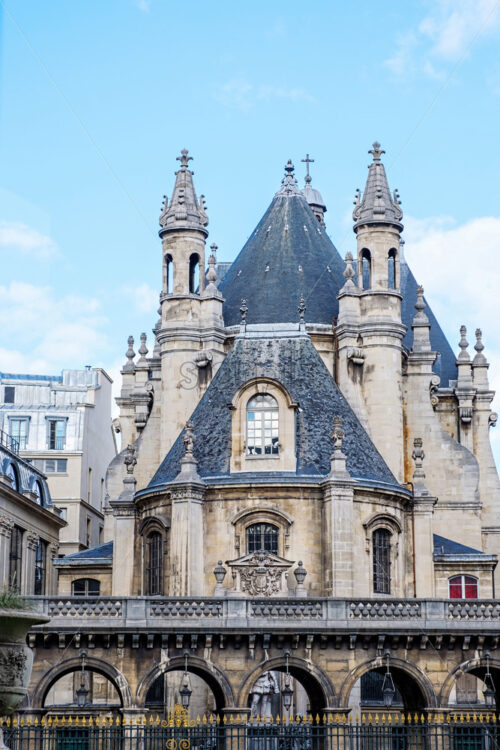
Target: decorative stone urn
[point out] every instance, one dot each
(16, 658)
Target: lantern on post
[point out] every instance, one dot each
(82, 692)
(184, 690)
(287, 692)
(489, 691)
(388, 689)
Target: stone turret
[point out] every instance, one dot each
(313, 196)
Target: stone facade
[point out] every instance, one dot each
(307, 470)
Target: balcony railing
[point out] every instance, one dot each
(9, 442)
(318, 614)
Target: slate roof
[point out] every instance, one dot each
(102, 551)
(293, 361)
(444, 546)
(287, 255)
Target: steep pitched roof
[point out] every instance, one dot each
(292, 360)
(444, 546)
(287, 255)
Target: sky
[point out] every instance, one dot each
(97, 98)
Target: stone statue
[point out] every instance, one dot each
(263, 690)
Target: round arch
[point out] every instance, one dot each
(414, 686)
(318, 687)
(476, 667)
(212, 675)
(74, 664)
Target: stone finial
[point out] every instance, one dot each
(189, 438)
(300, 574)
(338, 468)
(302, 308)
(289, 185)
(418, 456)
(184, 210)
(143, 350)
(220, 574)
(184, 159)
(188, 470)
(479, 359)
(349, 273)
(243, 311)
(463, 344)
(203, 211)
(211, 289)
(129, 459)
(421, 326)
(376, 151)
(130, 354)
(420, 305)
(164, 211)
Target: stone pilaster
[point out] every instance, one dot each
(6, 526)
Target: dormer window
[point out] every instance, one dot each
(262, 426)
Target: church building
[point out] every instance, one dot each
(306, 494)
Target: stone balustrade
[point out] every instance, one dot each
(272, 614)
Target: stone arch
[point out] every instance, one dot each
(315, 682)
(212, 675)
(74, 664)
(476, 667)
(410, 680)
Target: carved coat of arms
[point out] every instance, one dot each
(260, 574)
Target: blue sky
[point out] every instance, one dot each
(98, 98)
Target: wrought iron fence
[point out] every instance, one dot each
(333, 732)
(9, 442)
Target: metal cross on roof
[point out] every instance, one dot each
(307, 161)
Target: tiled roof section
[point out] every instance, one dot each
(287, 255)
(102, 551)
(293, 362)
(444, 546)
(445, 364)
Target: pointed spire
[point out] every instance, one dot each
(143, 350)
(211, 288)
(289, 185)
(377, 204)
(184, 210)
(130, 354)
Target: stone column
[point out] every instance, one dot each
(32, 540)
(124, 515)
(6, 525)
(186, 547)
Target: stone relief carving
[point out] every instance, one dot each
(260, 574)
(12, 667)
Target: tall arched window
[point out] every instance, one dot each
(391, 269)
(262, 426)
(14, 476)
(262, 537)
(366, 261)
(194, 272)
(169, 274)
(462, 587)
(40, 568)
(154, 564)
(381, 546)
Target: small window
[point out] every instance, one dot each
(194, 272)
(16, 558)
(262, 537)
(262, 426)
(14, 476)
(19, 432)
(9, 393)
(40, 568)
(169, 274)
(391, 269)
(366, 260)
(463, 587)
(85, 587)
(38, 492)
(56, 434)
(382, 561)
(154, 564)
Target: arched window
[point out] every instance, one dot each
(154, 564)
(391, 269)
(40, 568)
(85, 587)
(262, 426)
(381, 547)
(194, 272)
(366, 262)
(262, 537)
(14, 476)
(462, 587)
(38, 491)
(169, 274)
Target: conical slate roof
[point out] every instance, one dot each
(287, 255)
(377, 204)
(291, 359)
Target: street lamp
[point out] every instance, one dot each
(184, 690)
(287, 692)
(489, 691)
(388, 689)
(82, 692)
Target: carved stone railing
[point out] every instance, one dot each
(176, 614)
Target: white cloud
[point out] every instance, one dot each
(443, 36)
(143, 297)
(458, 266)
(238, 93)
(56, 332)
(144, 5)
(18, 237)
